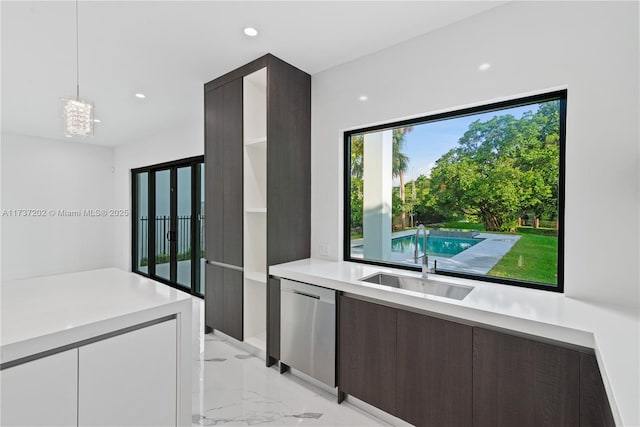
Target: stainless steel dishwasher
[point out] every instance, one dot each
(308, 330)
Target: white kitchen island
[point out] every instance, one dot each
(100, 347)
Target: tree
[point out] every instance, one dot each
(357, 157)
(501, 168)
(357, 183)
(356, 202)
(400, 164)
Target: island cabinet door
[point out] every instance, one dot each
(434, 371)
(130, 379)
(520, 382)
(367, 352)
(42, 392)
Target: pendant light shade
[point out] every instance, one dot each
(78, 113)
(78, 117)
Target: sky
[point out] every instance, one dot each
(427, 142)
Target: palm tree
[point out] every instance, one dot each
(357, 145)
(399, 159)
(400, 164)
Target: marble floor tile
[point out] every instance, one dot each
(234, 388)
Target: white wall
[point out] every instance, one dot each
(51, 175)
(589, 47)
(172, 145)
(48, 174)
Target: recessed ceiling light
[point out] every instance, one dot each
(250, 31)
(97, 120)
(140, 95)
(363, 97)
(69, 136)
(484, 67)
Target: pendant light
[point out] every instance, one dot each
(78, 113)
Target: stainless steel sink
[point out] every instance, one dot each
(427, 286)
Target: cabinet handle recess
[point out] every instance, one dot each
(306, 295)
(222, 264)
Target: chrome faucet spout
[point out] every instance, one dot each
(425, 257)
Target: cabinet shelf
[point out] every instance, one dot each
(256, 210)
(256, 276)
(257, 142)
(258, 341)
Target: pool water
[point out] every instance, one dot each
(439, 246)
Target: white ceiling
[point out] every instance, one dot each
(168, 50)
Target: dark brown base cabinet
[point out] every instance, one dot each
(595, 410)
(225, 310)
(273, 321)
(517, 381)
(367, 352)
(413, 366)
(434, 372)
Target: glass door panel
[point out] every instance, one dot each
(163, 224)
(142, 223)
(200, 238)
(183, 228)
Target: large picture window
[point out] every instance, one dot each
(485, 184)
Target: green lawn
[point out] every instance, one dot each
(532, 258)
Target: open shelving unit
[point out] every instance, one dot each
(256, 210)
(255, 207)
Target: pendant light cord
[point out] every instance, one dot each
(77, 55)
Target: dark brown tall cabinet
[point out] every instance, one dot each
(258, 184)
(223, 208)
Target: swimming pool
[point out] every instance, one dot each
(441, 246)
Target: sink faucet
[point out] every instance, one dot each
(425, 257)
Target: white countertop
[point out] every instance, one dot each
(44, 313)
(613, 332)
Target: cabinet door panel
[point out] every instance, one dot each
(233, 175)
(214, 297)
(273, 318)
(233, 303)
(289, 160)
(434, 371)
(130, 379)
(367, 353)
(214, 174)
(42, 392)
(594, 404)
(521, 382)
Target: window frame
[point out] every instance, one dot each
(193, 163)
(557, 95)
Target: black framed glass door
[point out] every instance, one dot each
(162, 223)
(168, 223)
